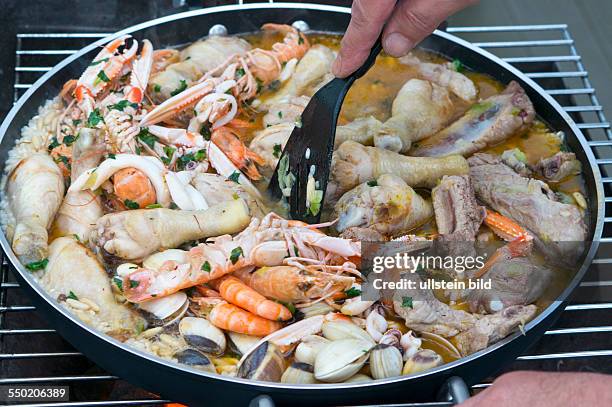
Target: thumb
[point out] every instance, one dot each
(413, 20)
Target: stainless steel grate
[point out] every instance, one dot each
(579, 341)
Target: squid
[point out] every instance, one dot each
(74, 272)
(387, 205)
(35, 189)
(420, 110)
(138, 233)
(354, 164)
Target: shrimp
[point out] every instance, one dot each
(132, 185)
(245, 159)
(292, 284)
(294, 45)
(231, 318)
(238, 293)
(162, 58)
(265, 242)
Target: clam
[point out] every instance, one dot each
(424, 359)
(335, 330)
(299, 373)
(440, 345)
(265, 363)
(195, 358)
(319, 308)
(359, 377)
(242, 343)
(165, 310)
(155, 261)
(341, 359)
(200, 334)
(385, 361)
(376, 324)
(410, 344)
(307, 350)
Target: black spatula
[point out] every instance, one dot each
(311, 144)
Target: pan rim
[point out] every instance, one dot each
(263, 386)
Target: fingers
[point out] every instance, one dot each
(413, 20)
(367, 20)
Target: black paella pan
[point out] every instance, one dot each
(195, 387)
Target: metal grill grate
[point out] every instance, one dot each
(580, 340)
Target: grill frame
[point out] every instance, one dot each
(600, 125)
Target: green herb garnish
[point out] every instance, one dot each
(240, 73)
(352, 292)
(457, 65)
(154, 206)
(277, 150)
(76, 122)
(407, 302)
(69, 140)
(372, 183)
(235, 254)
(54, 143)
(169, 151)
(94, 118)
(119, 282)
(72, 296)
(205, 132)
(181, 88)
(122, 104)
(235, 176)
(64, 160)
(134, 283)
(206, 267)
(131, 204)
(37, 265)
(147, 137)
(101, 77)
(156, 88)
(111, 156)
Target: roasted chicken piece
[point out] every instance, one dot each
(362, 130)
(486, 123)
(354, 164)
(137, 233)
(387, 205)
(420, 110)
(558, 167)
(35, 189)
(75, 276)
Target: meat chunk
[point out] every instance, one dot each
(516, 160)
(458, 215)
(558, 167)
(531, 203)
(517, 281)
(491, 328)
(486, 123)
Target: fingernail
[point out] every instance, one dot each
(397, 45)
(337, 66)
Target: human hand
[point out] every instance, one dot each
(405, 24)
(545, 389)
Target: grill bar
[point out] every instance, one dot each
(535, 51)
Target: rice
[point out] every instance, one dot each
(35, 137)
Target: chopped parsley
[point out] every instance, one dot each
(352, 292)
(64, 160)
(37, 265)
(372, 183)
(138, 150)
(407, 302)
(181, 88)
(154, 206)
(205, 132)
(131, 204)
(72, 296)
(134, 283)
(76, 122)
(94, 118)
(277, 150)
(235, 176)
(147, 137)
(119, 282)
(206, 267)
(156, 88)
(169, 151)
(300, 40)
(69, 140)
(457, 65)
(54, 143)
(101, 77)
(280, 114)
(200, 155)
(235, 254)
(111, 156)
(99, 61)
(76, 237)
(240, 73)
(122, 104)
(185, 159)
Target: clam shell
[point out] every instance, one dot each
(299, 373)
(359, 377)
(200, 334)
(385, 361)
(194, 358)
(440, 345)
(126, 268)
(265, 363)
(155, 261)
(166, 310)
(242, 343)
(307, 350)
(424, 359)
(341, 359)
(336, 330)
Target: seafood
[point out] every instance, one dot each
(354, 164)
(135, 234)
(137, 199)
(420, 109)
(35, 189)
